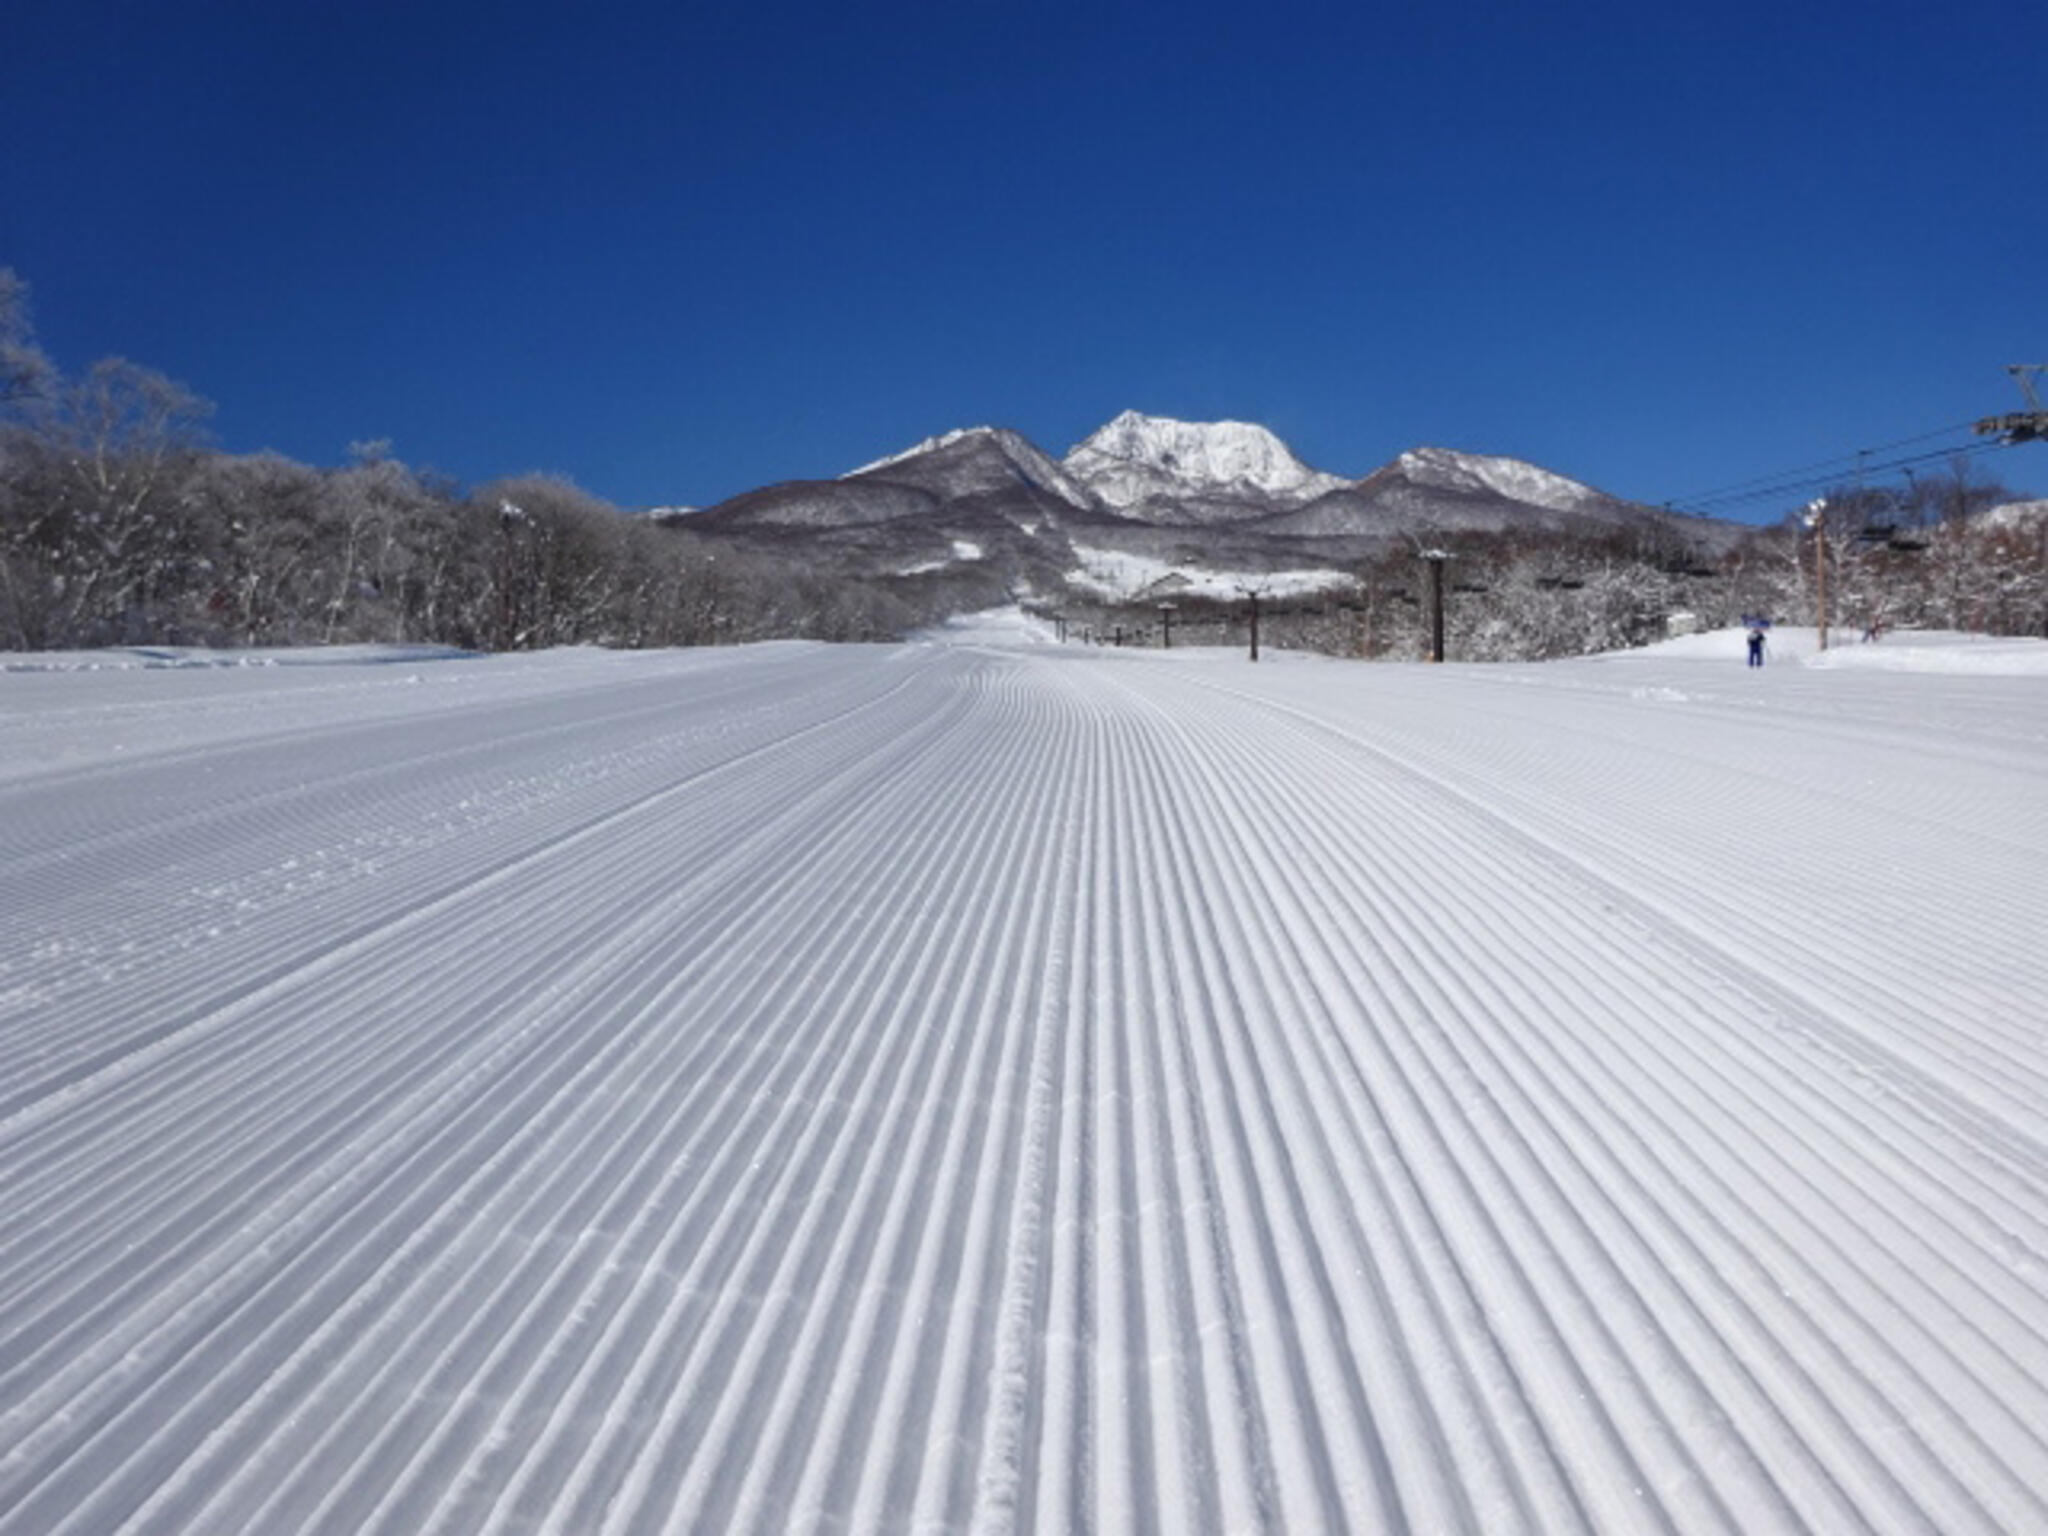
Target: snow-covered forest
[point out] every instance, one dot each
(120, 525)
(1949, 552)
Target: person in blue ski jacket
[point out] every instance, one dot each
(1756, 645)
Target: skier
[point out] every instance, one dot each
(1756, 645)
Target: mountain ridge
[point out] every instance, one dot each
(1189, 493)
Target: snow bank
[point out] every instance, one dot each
(1899, 650)
(131, 657)
(1914, 651)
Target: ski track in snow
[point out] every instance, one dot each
(957, 1087)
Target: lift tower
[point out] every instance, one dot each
(2030, 425)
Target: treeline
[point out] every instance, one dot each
(1922, 556)
(120, 525)
(1925, 556)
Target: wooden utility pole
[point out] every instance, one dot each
(1254, 594)
(1817, 520)
(1436, 559)
(1820, 575)
(1166, 626)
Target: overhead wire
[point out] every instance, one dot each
(1792, 485)
(1821, 483)
(1820, 464)
(1825, 474)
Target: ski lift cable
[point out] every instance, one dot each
(1794, 482)
(1792, 488)
(1866, 468)
(1845, 460)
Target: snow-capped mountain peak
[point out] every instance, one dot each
(999, 451)
(1512, 478)
(929, 445)
(1138, 456)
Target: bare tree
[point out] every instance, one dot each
(25, 373)
(256, 520)
(93, 516)
(560, 573)
(381, 529)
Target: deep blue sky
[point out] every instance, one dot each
(676, 251)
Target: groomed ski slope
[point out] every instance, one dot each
(987, 1085)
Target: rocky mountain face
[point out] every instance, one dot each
(1225, 494)
(1157, 470)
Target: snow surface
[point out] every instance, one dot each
(964, 550)
(1121, 575)
(1897, 650)
(982, 1083)
(139, 657)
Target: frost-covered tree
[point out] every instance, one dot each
(116, 525)
(92, 523)
(25, 372)
(377, 521)
(558, 571)
(257, 521)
